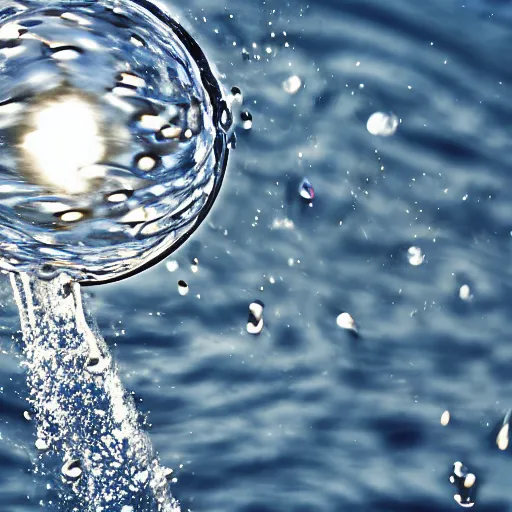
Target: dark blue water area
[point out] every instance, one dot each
(307, 416)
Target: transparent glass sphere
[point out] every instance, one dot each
(112, 137)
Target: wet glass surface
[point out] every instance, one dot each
(410, 234)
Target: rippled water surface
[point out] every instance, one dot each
(306, 416)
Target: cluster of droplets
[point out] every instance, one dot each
(87, 425)
(113, 134)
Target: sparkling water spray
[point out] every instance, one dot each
(113, 136)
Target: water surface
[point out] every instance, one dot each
(306, 417)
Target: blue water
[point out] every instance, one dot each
(306, 417)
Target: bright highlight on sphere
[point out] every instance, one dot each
(65, 139)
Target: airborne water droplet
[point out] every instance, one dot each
(182, 287)
(246, 118)
(292, 84)
(345, 321)
(255, 322)
(415, 256)
(306, 190)
(382, 124)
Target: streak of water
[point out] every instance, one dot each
(87, 424)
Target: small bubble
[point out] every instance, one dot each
(502, 439)
(66, 54)
(117, 197)
(306, 190)
(415, 256)
(459, 470)
(182, 287)
(445, 418)
(146, 163)
(26, 415)
(256, 310)
(71, 216)
(255, 328)
(171, 132)
(255, 321)
(246, 118)
(382, 124)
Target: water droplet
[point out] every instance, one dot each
(256, 310)
(502, 439)
(118, 197)
(146, 163)
(72, 216)
(382, 124)
(171, 132)
(255, 322)
(465, 483)
(255, 328)
(445, 418)
(306, 190)
(182, 287)
(42, 445)
(469, 481)
(72, 470)
(26, 415)
(465, 293)
(246, 118)
(415, 256)
(292, 84)
(345, 321)
(458, 499)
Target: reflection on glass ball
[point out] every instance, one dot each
(112, 137)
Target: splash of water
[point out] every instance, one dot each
(86, 422)
(112, 134)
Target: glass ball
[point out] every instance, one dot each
(113, 137)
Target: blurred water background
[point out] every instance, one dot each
(307, 416)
